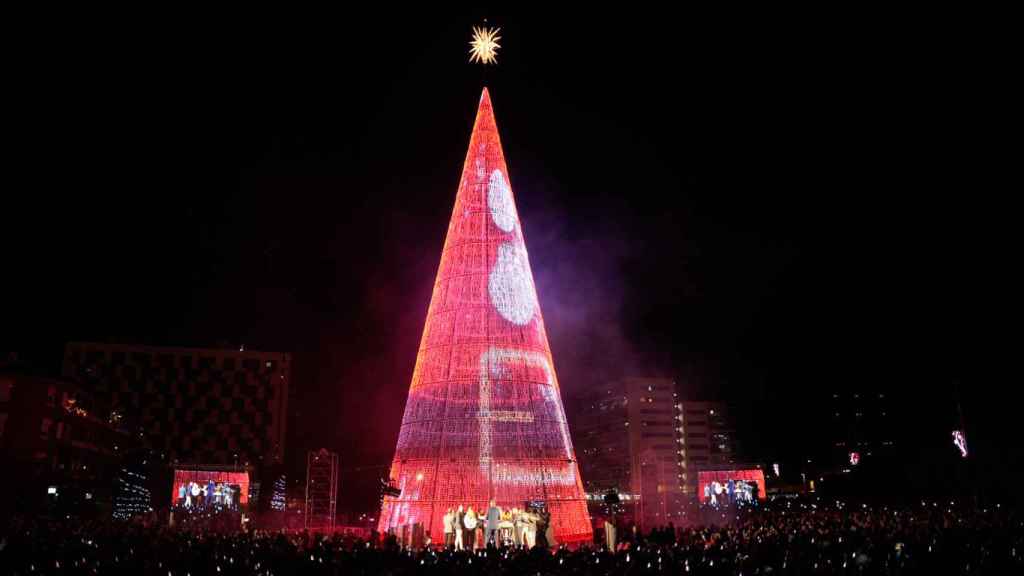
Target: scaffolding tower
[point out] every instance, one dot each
(321, 489)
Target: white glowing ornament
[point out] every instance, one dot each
(499, 200)
(510, 285)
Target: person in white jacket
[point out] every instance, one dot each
(459, 519)
(449, 527)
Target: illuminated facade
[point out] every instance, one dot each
(214, 406)
(484, 418)
(629, 439)
(709, 440)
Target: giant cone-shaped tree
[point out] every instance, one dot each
(484, 418)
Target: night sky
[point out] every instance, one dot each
(764, 214)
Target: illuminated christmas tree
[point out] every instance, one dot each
(484, 416)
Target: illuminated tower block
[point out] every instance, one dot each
(484, 417)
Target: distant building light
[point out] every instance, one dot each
(51, 490)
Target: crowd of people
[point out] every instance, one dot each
(791, 537)
(468, 529)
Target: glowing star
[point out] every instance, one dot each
(484, 45)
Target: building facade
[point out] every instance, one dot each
(209, 406)
(629, 441)
(59, 448)
(860, 428)
(708, 440)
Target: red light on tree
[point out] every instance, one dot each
(484, 418)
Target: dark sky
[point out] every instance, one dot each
(763, 212)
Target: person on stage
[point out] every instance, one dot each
(460, 525)
(544, 534)
(518, 527)
(530, 520)
(505, 527)
(472, 525)
(194, 489)
(449, 527)
(493, 518)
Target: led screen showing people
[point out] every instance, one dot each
(728, 487)
(194, 489)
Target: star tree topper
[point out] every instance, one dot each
(484, 46)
